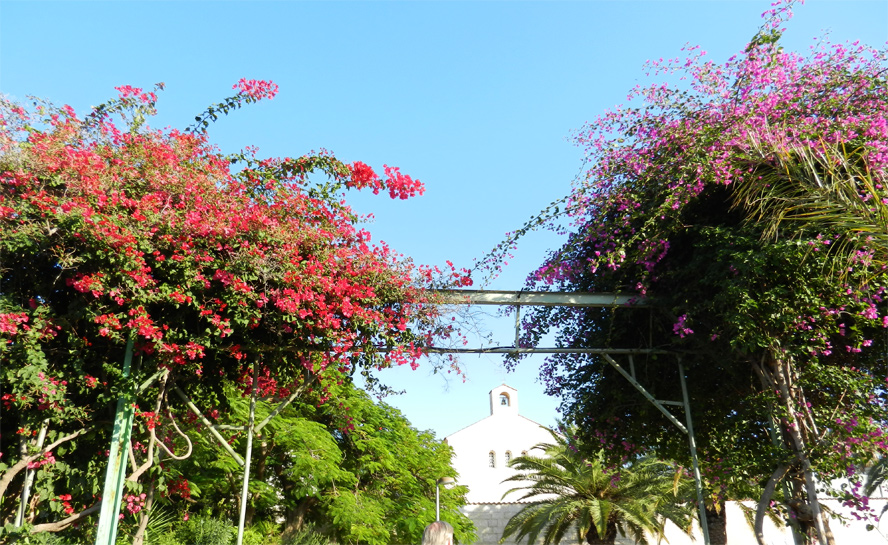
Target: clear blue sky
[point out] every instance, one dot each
(476, 99)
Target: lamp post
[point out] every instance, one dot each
(445, 481)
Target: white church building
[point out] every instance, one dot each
(481, 458)
(483, 449)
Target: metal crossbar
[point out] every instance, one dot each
(540, 298)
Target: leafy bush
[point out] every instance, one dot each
(23, 536)
(205, 531)
(308, 535)
(262, 533)
(167, 538)
(160, 528)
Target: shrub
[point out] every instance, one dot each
(205, 531)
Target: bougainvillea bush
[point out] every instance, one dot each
(218, 267)
(745, 201)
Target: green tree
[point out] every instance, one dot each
(353, 469)
(573, 491)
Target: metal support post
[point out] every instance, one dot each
(698, 480)
(246, 488)
(117, 460)
(686, 428)
(517, 326)
(209, 425)
(278, 409)
(657, 403)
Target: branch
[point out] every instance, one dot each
(832, 417)
(64, 523)
(137, 472)
(765, 501)
(10, 473)
(759, 368)
(187, 440)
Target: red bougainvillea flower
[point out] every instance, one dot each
(256, 88)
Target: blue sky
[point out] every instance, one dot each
(476, 99)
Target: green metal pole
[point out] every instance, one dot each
(209, 425)
(117, 460)
(698, 480)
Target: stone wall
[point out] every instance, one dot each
(490, 520)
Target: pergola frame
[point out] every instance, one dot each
(587, 299)
(115, 475)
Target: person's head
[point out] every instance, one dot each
(438, 533)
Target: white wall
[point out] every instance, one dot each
(854, 532)
(505, 430)
(490, 520)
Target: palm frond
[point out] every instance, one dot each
(876, 476)
(800, 190)
(578, 493)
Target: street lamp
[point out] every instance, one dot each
(445, 481)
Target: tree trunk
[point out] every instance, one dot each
(139, 538)
(248, 514)
(295, 517)
(799, 512)
(22, 464)
(795, 427)
(716, 519)
(765, 501)
(609, 538)
(62, 524)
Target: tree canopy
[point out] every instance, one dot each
(374, 484)
(782, 329)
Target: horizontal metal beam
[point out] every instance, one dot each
(541, 298)
(511, 350)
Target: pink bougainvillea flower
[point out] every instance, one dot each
(256, 89)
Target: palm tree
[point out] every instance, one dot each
(831, 191)
(576, 492)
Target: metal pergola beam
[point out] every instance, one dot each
(540, 298)
(514, 350)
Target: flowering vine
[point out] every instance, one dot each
(700, 196)
(216, 266)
